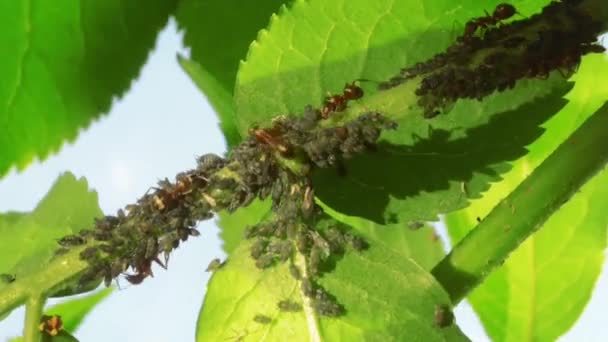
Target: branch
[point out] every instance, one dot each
(525, 210)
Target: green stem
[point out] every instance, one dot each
(33, 313)
(53, 278)
(525, 210)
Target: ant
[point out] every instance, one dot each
(271, 137)
(337, 103)
(51, 325)
(501, 12)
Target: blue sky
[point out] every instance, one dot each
(156, 131)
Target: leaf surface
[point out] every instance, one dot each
(64, 62)
(387, 296)
(29, 240)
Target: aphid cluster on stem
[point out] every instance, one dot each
(146, 232)
(478, 65)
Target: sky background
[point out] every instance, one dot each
(156, 130)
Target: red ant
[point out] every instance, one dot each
(501, 12)
(272, 138)
(337, 103)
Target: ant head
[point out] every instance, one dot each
(504, 11)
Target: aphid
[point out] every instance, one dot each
(329, 308)
(100, 235)
(61, 251)
(264, 261)
(501, 12)
(210, 200)
(320, 243)
(294, 271)
(158, 203)
(89, 253)
(262, 319)
(210, 162)
(214, 265)
(183, 184)
(71, 240)
(443, 316)
(109, 249)
(302, 242)
(314, 261)
(326, 305)
(151, 248)
(193, 232)
(250, 231)
(258, 248)
(309, 199)
(307, 288)
(117, 267)
(283, 250)
(357, 242)
(106, 223)
(51, 325)
(415, 225)
(7, 278)
(336, 238)
(289, 306)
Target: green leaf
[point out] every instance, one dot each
(387, 297)
(421, 169)
(415, 240)
(219, 33)
(74, 311)
(233, 225)
(64, 63)
(30, 240)
(559, 265)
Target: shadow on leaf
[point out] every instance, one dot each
(435, 174)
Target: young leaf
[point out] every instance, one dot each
(315, 47)
(398, 305)
(559, 265)
(74, 311)
(64, 63)
(30, 240)
(213, 66)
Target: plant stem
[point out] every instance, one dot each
(525, 210)
(51, 279)
(33, 313)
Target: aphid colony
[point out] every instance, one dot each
(324, 147)
(492, 56)
(147, 231)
